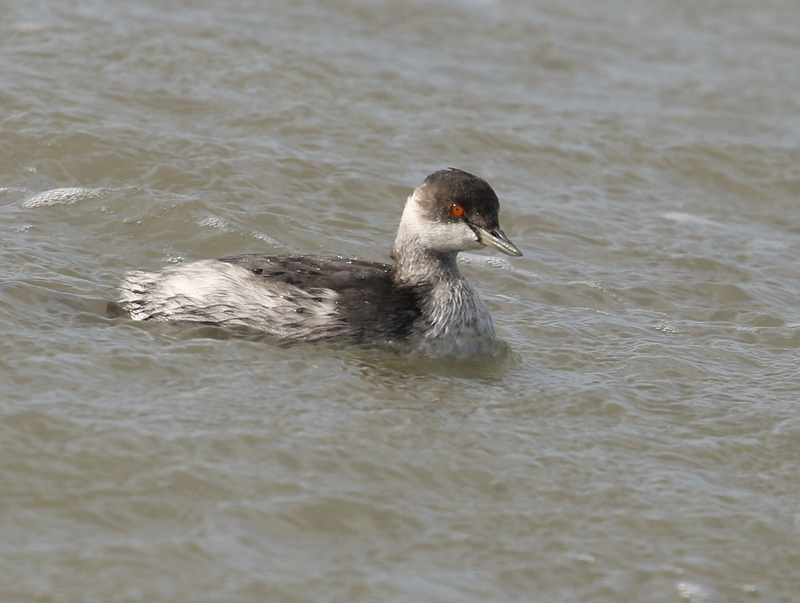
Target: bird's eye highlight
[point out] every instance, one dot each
(457, 210)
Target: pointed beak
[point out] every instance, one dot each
(496, 239)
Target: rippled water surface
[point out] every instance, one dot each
(640, 441)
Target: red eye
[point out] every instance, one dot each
(457, 210)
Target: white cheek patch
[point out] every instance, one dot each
(440, 236)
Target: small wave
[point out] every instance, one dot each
(266, 238)
(686, 218)
(64, 196)
(217, 223)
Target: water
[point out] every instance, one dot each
(640, 442)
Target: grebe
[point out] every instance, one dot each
(314, 298)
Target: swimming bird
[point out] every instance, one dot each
(312, 298)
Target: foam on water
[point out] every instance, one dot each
(64, 196)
